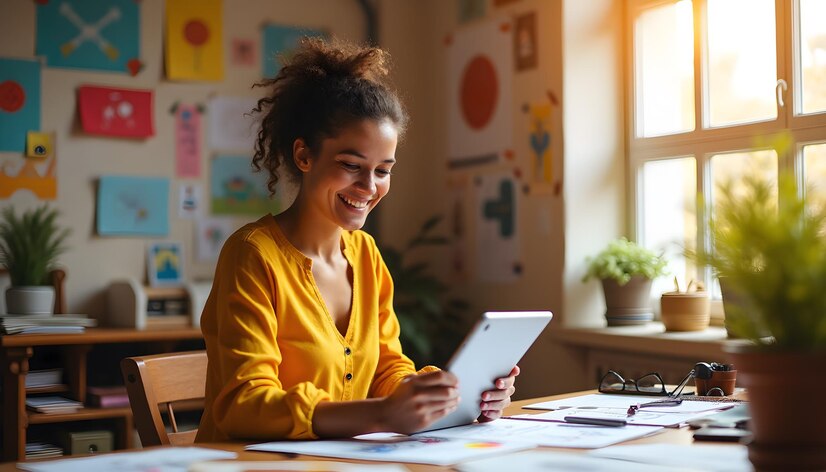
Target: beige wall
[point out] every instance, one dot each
(580, 51)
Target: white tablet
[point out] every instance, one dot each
(495, 344)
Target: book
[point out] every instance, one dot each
(44, 378)
(108, 397)
(53, 404)
(36, 324)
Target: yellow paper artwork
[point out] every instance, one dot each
(38, 144)
(34, 174)
(194, 44)
(540, 141)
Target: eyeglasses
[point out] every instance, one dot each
(648, 384)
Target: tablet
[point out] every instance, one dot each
(495, 344)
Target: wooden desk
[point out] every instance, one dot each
(667, 436)
(15, 352)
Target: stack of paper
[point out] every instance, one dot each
(44, 378)
(53, 404)
(38, 450)
(36, 324)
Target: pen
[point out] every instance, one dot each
(595, 421)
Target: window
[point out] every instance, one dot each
(719, 89)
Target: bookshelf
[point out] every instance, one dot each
(16, 351)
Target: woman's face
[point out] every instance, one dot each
(351, 172)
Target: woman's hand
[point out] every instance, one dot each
(496, 400)
(419, 400)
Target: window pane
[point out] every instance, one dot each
(732, 167)
(669, 215)
(664, 55)
(812, 60)
(742, 66)
(814, 165)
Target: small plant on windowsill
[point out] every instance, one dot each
(431, 322)
(626, 271)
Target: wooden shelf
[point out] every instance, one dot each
(101, 336)
(48, 389)
(83, 414)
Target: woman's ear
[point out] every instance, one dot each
(301, 155)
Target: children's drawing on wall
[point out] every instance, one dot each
(165, 264)
(187, 140)
(120, 112)
(210, 236)
(480, 88)
(231, 125)
(243, 52)
(458, 220)
(539, 137)
(471, 10)
(498, 258)
(524, 42)
(190, 200)
(19, 102)
(279, 40)
(236, 189)
(90, 34)
(133, 206)
(34, 174)
(194, 45)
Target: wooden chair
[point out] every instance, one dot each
(156, 382)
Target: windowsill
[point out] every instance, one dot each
(648, 339)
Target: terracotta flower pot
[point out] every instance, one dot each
(784, 391)
(683, 311)
(628, 304)
(725, 380)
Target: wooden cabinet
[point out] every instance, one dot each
(15, 355)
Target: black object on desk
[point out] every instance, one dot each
(595, 421)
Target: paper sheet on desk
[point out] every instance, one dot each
(644, 417)
(175, 459)
(717, 458)
(314, 466)
(548, 460)
(547, 433)
(597, 400)
(423, 449)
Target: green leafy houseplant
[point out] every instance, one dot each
(774, 257)
(622, 259)
(30, 245)
(431, 323)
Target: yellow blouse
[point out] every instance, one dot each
(274, 350)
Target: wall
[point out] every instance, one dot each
(92, 260)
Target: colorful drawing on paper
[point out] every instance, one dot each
(165, 264)
(187, 140)
(498, 257)
(194, 44)
(479, 90)
(19, 102)
(190, 200)
(38, 145)
(525, 42)
(232, 126)
(36, 175)
(279, 40)
(539, 137)
(471, 10)
(133, 206)
(116, 112)
(211, 235)
(236, 189)
(89, 34)
(243, 52)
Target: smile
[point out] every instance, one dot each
(354, 203)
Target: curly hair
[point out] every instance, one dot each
(321, 89)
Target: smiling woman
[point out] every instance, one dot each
(301, 335)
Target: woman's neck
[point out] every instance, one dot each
(310, 235)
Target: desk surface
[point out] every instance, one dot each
(667, 436)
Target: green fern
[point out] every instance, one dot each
(30, 244)
(623, 259)
(774, 258)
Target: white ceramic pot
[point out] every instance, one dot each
(30, 300)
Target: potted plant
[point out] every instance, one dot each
(29, 247)
(431, 324)
(771, 248)
(626, 271)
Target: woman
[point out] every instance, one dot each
(299, 327)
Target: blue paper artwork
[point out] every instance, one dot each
(236, 189)
(278, 40)
(89, 34)
(19, 102)
(133, 206)
(165, 264)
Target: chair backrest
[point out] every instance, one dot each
(158, 381)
